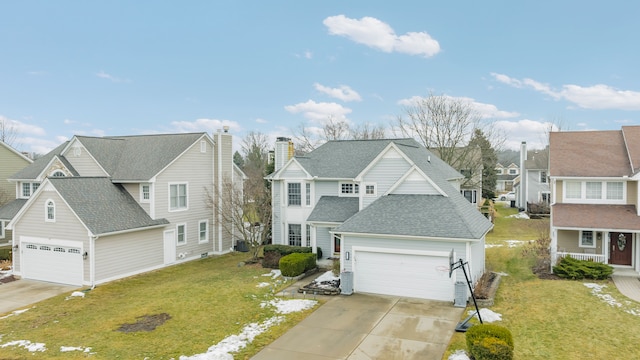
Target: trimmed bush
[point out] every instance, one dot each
(570, 268)
(489, 342)
(319, 253)
(295, 264)
(273, 253)
(5, 253)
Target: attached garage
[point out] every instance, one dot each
(52, 261)
(419, 274)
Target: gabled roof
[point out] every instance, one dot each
(537, 159)
(334, 209)
(19, 154)
(419, 216)
(589, 154)
(102, 206)
(34, 170)
(10, 209)
(124, 158)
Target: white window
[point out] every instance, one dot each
(58, 173)
(587, 239)
(50, 211)
(349, 188)
(615, 190)
(308, 235)
(294, 195)
(470, 195)
(145, 193)
(498, 171)
(573, 189)
(1, 229)
(512, 171)
(181, 234)
(545, 197)
(28, 189)
(594, 190)
(295, 234)
(203, 146)
(543, 177)
(178, 197)
(308, 194)
(203, 231)
(370, 189)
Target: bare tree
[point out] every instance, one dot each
(4, 197)
(368, 131)
(309, 138)
(8, 131)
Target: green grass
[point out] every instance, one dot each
(554, 319)
(207, 300)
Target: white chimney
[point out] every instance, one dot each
(283, 152)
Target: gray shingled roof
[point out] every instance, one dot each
(419, 215)
(33, 170)
(345, 159)
(125, 158)
(102, 206)
(10, 209)
(334, 209)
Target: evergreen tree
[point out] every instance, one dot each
(489, 161)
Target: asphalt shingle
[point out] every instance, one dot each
(334, 209)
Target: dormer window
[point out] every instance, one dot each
(28, 189)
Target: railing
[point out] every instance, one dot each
(582, 256)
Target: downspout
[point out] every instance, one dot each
(92, 261)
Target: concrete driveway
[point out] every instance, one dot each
(363, 326)
(20, 294)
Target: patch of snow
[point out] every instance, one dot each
(488, 246)
(520, 215)
(289, 306)
(274, 274)
(598, 290)
(32, 347)
(263, 284)
(327, 276)
(79, 294)
(17, 312)
(514, 243)
(459, 355)
(233, 343)
(74, 348)
(487, 315)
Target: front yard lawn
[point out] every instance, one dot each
(202, 301)
(555, 319)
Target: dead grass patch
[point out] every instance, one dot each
(145, 323)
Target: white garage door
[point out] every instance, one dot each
(52, 262)
(419, 276)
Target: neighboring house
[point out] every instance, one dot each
(595, 197)
(390, 210)
(11, 161)
(506, 177)
(99, 209)
(468, 162)
(533, 188)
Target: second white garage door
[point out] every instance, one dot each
(52, 262)
(419, 276)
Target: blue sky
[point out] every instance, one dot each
(138, 67)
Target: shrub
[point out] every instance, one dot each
(319, 252)
(570, 268)
(273, 253)
(297, 263)
(488, 341)
(5, 254)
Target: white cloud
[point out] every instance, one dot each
(21, 128)
(596, 97)
(532, 131)
(343, 92)
(38, 145)
(319, 112)
(104, 75)
(261, 121)
(486, 111)
(207, 125)
(379, 35)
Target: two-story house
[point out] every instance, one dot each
(506, 176)
(594, 204)
(533, 188)
(390, 210)
(96, 209)
(11, 161)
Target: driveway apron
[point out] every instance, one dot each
(364, 326)
(20, 294)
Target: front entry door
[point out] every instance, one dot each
(169, 247)
(620, 248)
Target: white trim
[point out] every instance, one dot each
(206, 240)
(380, 156)
(355, 189)
(407, 237)
(593, 238)
(375, 189)
(131, 230)
(16, 152)
(184, 152)
(412, 169)
(2, 231)
(603, 192)
(50, 241)
(178, 183)
(276, 175)
(203, 146)
(178, 243)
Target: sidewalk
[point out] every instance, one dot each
(629, 286)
